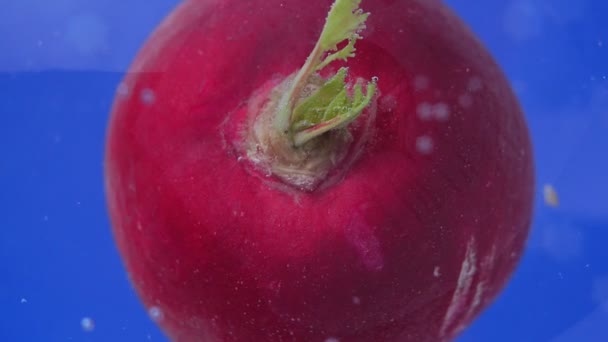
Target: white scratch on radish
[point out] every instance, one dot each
(479, 290)
(463, 288)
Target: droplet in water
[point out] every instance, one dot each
(122, 90)
(474, 84)
(424, 111)
(87, 324)
(424, 144)
(441, 111)
(550, 195)
(156, 314)
(147, 96)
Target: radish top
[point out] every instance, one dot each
(331, 106)
(300, 132)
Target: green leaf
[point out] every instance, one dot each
(344, 20)
(330, 107)
(313, 108)
(343, 54)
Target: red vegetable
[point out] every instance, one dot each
(257, 195)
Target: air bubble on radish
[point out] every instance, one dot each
(87, 324)
(441, 111)
(147, 96)
(474, 84)
(122, 90)
(156, 314)
(424, 144)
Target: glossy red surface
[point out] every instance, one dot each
(419, 235)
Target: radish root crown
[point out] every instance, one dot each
(287, 139)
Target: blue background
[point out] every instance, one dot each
(60, 63)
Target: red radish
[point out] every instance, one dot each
(278, 173)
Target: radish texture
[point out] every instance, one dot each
(285, 170)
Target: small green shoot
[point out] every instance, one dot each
(331, 106)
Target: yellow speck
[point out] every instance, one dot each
(551, 198)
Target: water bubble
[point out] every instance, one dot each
(436, 272)
(441, 111)
(424, 144)
(156, 314)
(424, 111)
(87, 324)
(375, 79)
(23, 301)
(474, 84)
(147, 96)
(356, 300)
(332, 339)
(122, 90)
